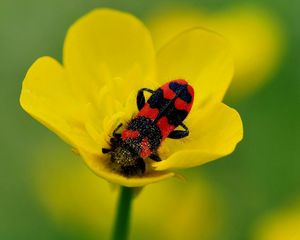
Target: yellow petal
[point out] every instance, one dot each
(109, 47)
(46, 96)
(98, 164)
(214, 133)
(201, 57)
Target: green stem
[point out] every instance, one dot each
(121, 228)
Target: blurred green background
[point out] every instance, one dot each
(262, 175)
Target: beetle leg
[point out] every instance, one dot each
(114, 140)
(155, 157)
(115, 134)
(140, 99)
(106, 150)
(177, 134)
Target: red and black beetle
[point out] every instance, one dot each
(156, 120)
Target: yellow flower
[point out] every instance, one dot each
(107, 57)
(255, 35)
(282, 224)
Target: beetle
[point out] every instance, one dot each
(156, 120)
